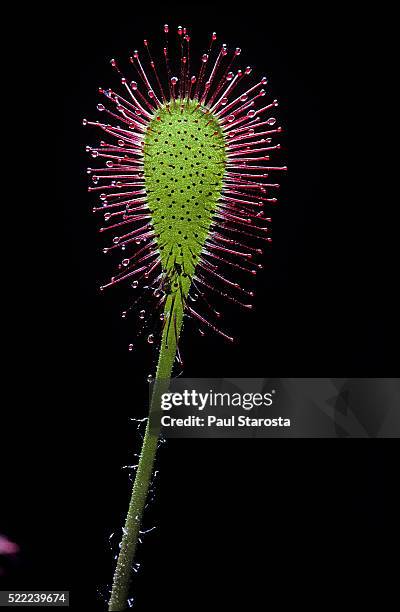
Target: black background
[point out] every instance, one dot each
(236, 520)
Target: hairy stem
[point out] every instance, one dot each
(120, 590)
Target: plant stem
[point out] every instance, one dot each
(173, 312)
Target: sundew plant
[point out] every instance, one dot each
(183, 178)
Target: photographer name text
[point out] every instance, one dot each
(232, 421)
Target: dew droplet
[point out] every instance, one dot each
(150, 338)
